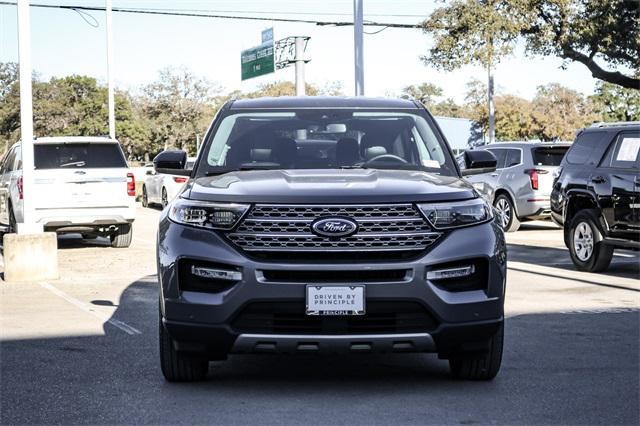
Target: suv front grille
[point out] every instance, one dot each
(391, 227)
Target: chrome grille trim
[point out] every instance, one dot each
(387, 227)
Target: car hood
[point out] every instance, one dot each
(329, 186)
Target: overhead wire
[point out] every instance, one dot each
(186, 13)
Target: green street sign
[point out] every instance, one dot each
(257, 61)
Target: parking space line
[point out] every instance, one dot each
(83, 306)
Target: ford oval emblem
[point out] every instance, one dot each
(334, 227)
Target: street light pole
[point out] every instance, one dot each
(111, 101)
(27, 226)
(358, 46)
(299, 61)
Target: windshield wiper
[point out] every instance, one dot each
(74, 164)
(243, 167)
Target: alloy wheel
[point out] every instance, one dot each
(504, 212)
(583, 241)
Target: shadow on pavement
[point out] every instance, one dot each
(622, 267)
(579, 368)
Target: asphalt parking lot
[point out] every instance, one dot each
(83, 349)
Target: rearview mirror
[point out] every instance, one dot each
(479, 161)
(171, 162)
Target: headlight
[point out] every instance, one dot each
(205, 214)
(456, 213)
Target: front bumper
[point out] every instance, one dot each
(204, 322)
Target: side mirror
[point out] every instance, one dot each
(171, 162)
(478, 162)
(150, 172)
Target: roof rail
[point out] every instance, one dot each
(615, 124)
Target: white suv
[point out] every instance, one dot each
(81, 185)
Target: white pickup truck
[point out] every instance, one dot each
(81, 185)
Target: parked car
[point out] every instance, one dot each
(519, 188)
(160, 188)
(596, 194)
(81, 185)
(321, 225)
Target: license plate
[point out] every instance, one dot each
(335, 300)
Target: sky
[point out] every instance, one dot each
(63, 44)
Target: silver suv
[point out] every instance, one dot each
(519, 189)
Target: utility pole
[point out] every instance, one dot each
(492, 112)
(358, 46)
(299, 61)
(28, 225)
(29, 254)
(112, 109)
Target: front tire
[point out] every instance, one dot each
(588, 252)
(122, 237)
(176, 366)
(507, 218)
(165, 198)
(484, 367)
(145, 197)
(13, 225)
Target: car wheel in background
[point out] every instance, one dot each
(506, 213)
(176, 366)
(145, 197)
(121, 238)
(165, 198)
(588, 252)
(484, 367)
(13, 226)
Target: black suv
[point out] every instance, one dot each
(596, 194)
(315, 225)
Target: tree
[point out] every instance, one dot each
(178, 107)
(598, 34)
(558, 112)
(70, 106)
(426, 93)
(514, 119)
(616, 103)
(288, 88)
(429, 94)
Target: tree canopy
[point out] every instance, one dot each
(602, 35)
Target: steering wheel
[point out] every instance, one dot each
(386, 157)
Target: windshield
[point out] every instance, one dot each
(325, 139)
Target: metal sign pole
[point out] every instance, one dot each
(112, 110)
(299, 60)
(358, 46)
(27, 225)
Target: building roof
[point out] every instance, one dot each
(335, 102)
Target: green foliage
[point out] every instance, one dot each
(616, 103)
(472, 31)
(554, 114)
(586, 31)
(287, 88)
(69, 106)
(178, 107)
(558, 112)
(429, 94)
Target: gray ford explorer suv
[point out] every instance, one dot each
(328, 225)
